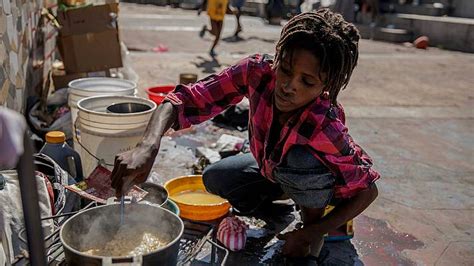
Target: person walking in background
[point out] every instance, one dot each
(298, 8)
(346, 9)
(367, 6)
(237, 10)
(274, 11)
(373, 6)
(216, 10)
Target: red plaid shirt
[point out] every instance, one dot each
(319, 125)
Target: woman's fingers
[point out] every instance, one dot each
(114, 171)
(130, 168)
(117, 177)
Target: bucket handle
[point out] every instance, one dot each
(135, 261)
(99, 161)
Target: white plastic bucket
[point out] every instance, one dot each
(105, 134)
(88, 87)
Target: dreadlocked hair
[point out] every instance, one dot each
(332, 40)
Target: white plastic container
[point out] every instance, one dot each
(106, 134)
(88, 87)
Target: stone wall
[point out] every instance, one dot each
(28, 42)
(450, 33)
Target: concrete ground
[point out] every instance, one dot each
(412, 110)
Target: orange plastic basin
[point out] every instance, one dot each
(194, 202)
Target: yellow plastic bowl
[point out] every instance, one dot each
(199, 211)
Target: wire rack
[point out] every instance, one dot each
(195, 236)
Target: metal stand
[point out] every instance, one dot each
(29, 199)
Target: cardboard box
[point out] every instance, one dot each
(61, 79)
(73, 2)
(88, 19)
(90, 52)
(89, 39)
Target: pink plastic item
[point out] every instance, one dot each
(160, 48)
(232, 233)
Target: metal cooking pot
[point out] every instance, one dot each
(156, 194)
(98, 225)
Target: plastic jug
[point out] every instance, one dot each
(58, 150)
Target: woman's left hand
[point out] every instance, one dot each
(297, 243)
(132, 167)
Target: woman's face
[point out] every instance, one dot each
(297, 82)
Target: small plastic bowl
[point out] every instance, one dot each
(158, 93)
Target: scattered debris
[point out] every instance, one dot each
(211, 155)
(160, 48)
(236, 117)
(421, 42)
(273, 247)
(51, 114)
(228, 145)
(199, 165)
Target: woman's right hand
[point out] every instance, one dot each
(132, 167)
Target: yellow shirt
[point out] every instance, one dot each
(216, 9)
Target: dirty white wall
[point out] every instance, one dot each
(463, 8)
(27, 46)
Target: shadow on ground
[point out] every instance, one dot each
(208, 66)
(235, 39)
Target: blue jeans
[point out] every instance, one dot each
(301, 176)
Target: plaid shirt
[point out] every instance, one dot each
(319, 125)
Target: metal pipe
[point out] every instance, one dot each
(60, 215)
(55, 232)
(68, 213)
(30, 199)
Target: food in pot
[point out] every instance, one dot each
(127, 242)
(198, 197)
